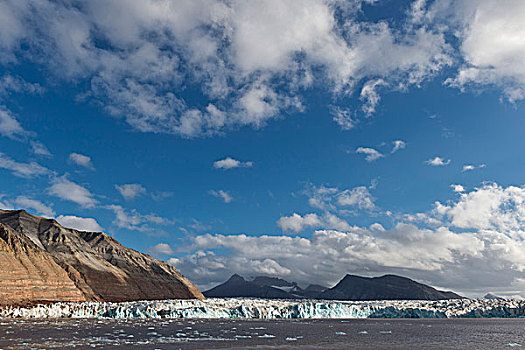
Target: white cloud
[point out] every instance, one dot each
(130, 191)
(329, 254)
(398, 145)
(81, 160)
(40, 149)
(370, 96)
(437, 161)
(25, 170)
(70, 191)
(491, 44)
(224, 195)
(470, 167)
(343, 117)
(9, 125)
(41, 208)
(230, 163)
(331, 199)
(79, 223)
(252, 60)
(371, 154)
(475, 244)
(490, 207)
(333, 203)
(14, 84)
(5, 204)
(132, 220)
(298, 223)
(458, 188)
(161, 248)
(359, 197)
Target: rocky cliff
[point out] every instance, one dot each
(42, 261)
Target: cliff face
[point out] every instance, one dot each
(97, 265)
(30, 274)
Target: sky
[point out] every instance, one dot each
(303, 139)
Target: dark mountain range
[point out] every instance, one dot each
(388, 287)
(262, 287)
(493, 296)
(41, 261)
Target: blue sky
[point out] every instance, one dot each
(301, 139)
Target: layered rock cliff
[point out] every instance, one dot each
(54, 263)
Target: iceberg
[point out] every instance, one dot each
(254, 308)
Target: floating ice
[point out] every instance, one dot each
(267, 336)
(273, 309)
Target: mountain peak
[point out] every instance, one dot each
(99, 266)
(235, 277)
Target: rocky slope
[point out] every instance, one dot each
(59, 264)
(388, 287)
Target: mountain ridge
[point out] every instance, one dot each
(99, 266)
(351, 287)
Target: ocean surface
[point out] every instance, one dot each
(262, 334)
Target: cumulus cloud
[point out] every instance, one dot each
(24, 170)
(298, 223)
(161, 249)
(343, 117)
(331, 199)
(458, 188)
(252, 60)
(130, 191)
(332, 203)
(470, 167)
(81, 160)
(490, 35)
(474, 244)
(230, 163)
(133, 220)
(255, 61)
(79, 223)
(9, 125)
(359, 197)
(71, 191)
(224, 195)
(370, 96)
(33, 204)
(371, 154)
(438, 161)
(490, 207)
(40, 149)
(398, 145)
(10, 84)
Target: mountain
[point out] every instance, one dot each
(493, 296)
(41, 261)
(313, 291)
(388, 287)
(237, 286)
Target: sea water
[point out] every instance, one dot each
(454, 334)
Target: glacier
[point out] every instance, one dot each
(254, 308)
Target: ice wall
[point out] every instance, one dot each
(273, 309)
